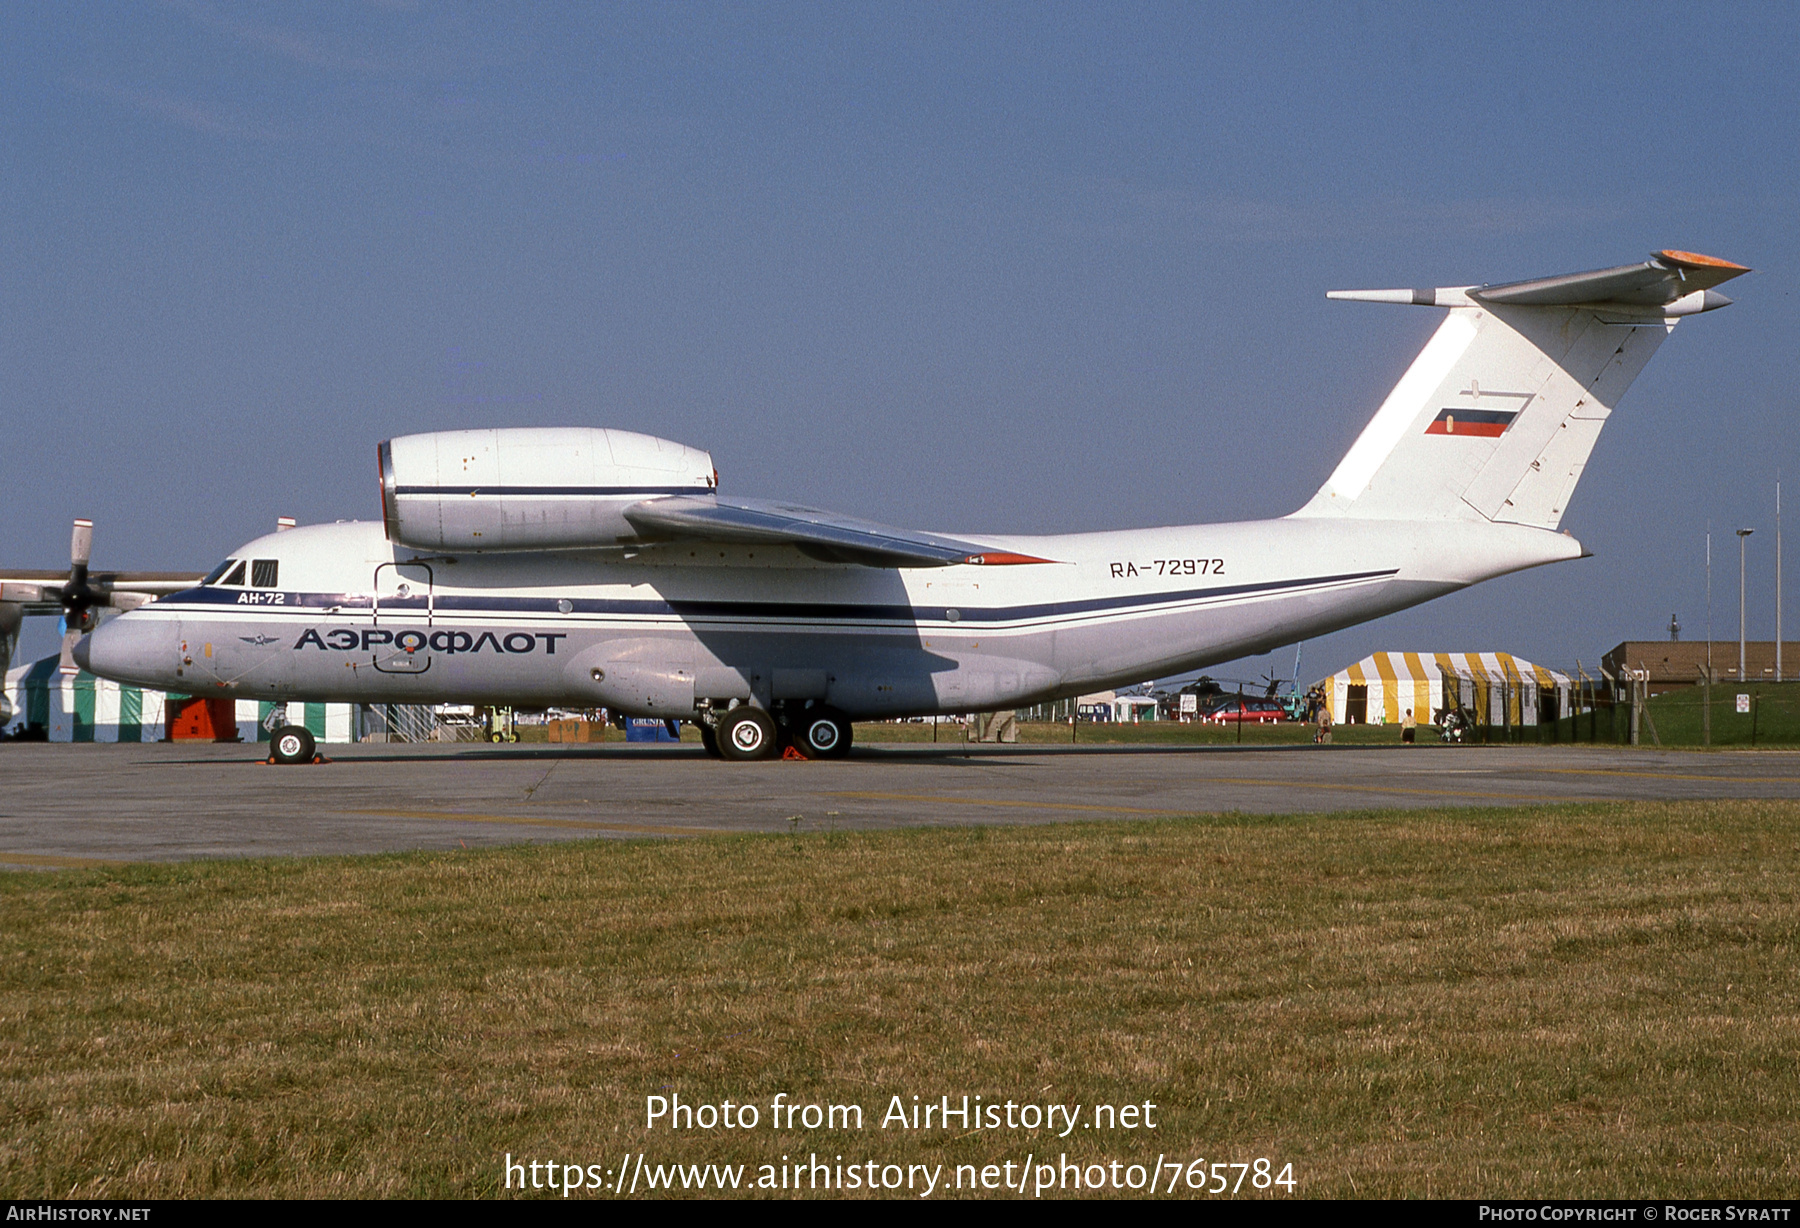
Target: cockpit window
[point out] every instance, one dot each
(212, 577)
(236, 576)
(263, 573)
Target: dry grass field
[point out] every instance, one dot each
(1556, 1002)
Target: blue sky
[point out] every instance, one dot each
(1019, 268)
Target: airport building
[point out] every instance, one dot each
(1677, 663)
(1495, 688)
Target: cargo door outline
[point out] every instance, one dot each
(400, 639)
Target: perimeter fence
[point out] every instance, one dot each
(1631, 711)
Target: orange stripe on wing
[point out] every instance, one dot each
(1002, 558)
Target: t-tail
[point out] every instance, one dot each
(1497, 416)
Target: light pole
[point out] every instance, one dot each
(1741, 534)
(1709, 630)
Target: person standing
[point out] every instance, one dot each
(1323, 736)
(1408, 728)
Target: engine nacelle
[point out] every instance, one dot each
(560, 488)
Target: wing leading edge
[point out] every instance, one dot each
(822, 535)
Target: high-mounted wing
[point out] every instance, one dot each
(37, 586)
(822, 535)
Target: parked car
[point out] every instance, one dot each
(1253, 709)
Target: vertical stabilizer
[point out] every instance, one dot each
(1497, 416)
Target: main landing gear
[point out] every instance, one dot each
(821, 733)
(747, 733)
(744, 733)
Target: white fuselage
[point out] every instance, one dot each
(669, 628)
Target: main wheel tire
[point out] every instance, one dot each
(821, 733)
(710, 741)
(292, 744)
(747, 733)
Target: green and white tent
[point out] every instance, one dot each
(82, 708)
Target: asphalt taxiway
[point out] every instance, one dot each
(77, 805)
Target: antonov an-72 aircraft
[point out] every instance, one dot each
(588, 568)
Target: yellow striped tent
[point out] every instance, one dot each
(1493, 687)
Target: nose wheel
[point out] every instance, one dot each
(292, 744)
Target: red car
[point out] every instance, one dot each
(1253, 709)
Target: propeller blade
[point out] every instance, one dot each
(81, 544)
(77, 598)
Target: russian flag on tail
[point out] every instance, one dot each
(1484, 423)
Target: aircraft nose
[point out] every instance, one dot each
(126, 649)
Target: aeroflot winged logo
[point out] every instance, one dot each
(1485, 423)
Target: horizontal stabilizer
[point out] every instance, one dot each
(1665, 278)
(1670, 283)
(822, 535)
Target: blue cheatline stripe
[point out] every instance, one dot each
(810, 611)
(466, 491)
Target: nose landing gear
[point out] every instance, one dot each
(293, 744)
(289, 743)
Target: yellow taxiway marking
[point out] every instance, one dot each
(1723, 780)
(59, 863)
(645, 829)
(984, 801)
